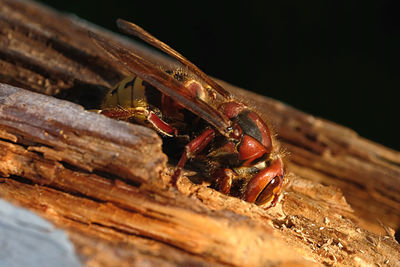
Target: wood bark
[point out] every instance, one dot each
(105, 181)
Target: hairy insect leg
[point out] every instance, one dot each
(141, 115)
(191, 149)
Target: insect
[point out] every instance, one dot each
(224, 138)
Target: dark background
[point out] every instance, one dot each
(335, 60)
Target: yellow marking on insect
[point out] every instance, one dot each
(128, 93)
(125, 92)
(139, 97)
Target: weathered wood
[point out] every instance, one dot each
(101, 180)
(107, 200)
(66, 133)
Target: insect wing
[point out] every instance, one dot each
(151, 73)
(133, 29)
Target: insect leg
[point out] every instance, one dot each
(117, 113)
(141, 115)
(224, 179)
(160, 125)
(191, 149)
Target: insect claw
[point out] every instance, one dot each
(175, 176)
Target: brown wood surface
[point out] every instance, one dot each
(104, 181)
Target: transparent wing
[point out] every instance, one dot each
(134, 62)
(133, 29)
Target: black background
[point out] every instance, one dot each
(333, 59)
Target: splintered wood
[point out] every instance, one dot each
(105, 182)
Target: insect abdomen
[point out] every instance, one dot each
(129, 93)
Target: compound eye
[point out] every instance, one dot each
(272, 189)
(265, 185)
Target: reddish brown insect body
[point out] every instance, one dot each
(229, 140)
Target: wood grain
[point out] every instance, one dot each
(105, 182)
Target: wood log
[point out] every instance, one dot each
(104, 181)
